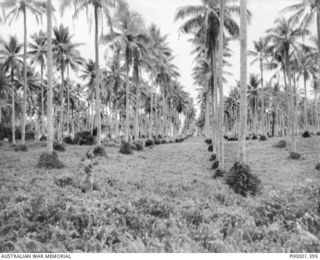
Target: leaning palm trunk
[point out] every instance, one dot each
(96, 17)
(50, 129)
(24, 105)
(221, 107)
(243, 81)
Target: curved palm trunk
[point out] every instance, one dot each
(96, 17)
(243, 82)
(221, 107)
(50, 82)
(13, 111)
(24, 106)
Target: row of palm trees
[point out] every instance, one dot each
(137, 85)
(269, 103)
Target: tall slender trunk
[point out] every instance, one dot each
(24, 105)
(68, 103)
(50, 129)
(305, 120)
(243, 81)
(207, 119)
(262, 127)
(136, 116)
(13, 111)
(127, 123)
(60, 130)
(42, 100)
(221, 107)
(151, 114)
(213, 92)
(116, 130)
(156, 112)
(96, 22)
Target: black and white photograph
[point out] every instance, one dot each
(159, 126)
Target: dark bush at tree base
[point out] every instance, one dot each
(306, 134)
(215, 165)
(294, 156)
(139, 145)
(99, 151)
(218, 173)
(163, 141)
(317, 167)
(68, 140)
(125, 148)
(213, 157)
(21, 148)
(210, 148)
(157, 142)
(43, 138)
(281, 144)
(58, 147)
(84, 138)
(30, 136)
(208, 141)
(254, 137)
(241, 180)
(263, 138)
(149, 142)
(49, 161)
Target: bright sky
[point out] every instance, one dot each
(161, 12)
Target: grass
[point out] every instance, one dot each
(162, 199)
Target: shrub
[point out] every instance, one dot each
(163, 141)
(215, 165)
(157, 142)
(49, 161)
(218, 173)
(208, 141)
(30, 136)
(254, 137)
(68, 140)
(99, 151)
(139, 145)
(213, 157)
(125, 148)
(263, 138)
(84, 138)
(241, 180)
(318, 167)
(43, 138)
(210, 148)
(306, 134)
(281, 144)
(58, 147)
(149, 142)
(133, 146)
(21, 148)
(294, 156)
(64, 181)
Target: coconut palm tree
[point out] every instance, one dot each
(101, 8)
(132, 40)
(283, 40)
(38, 52)
(10, 54)
(261, 55)
(13, 9)
(65, 55)
(243, 82)
(50, 127)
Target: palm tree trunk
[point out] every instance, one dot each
(50, 129)
(213, 92)
(243, 81)
(127, 122)
(151, 114)
(24, 106)
(262, 127)
(96, 17)
(42, 100)
(116, 130)
(13, 111)
(207, 119)
(221, 107)
(68, 104)
(136, 116)
(156, 112)
(60, 129)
